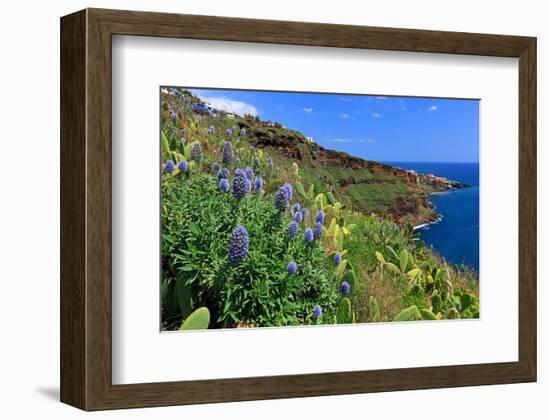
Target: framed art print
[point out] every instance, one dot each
(261, 209)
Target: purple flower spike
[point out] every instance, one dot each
(317, 311)
(292, 268)
(258, 183)
(345, 288)
(238, 245)
(292, 230)
(321, 217)
(227, 153)
(182, 166)
(318, 231)
(224, 185)
(288, 189)
(337, 259)
(281, 199)
(240, 187)
(169, 167)
(308, 235)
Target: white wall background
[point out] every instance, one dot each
(29, 211)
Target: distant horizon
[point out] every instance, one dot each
(371, 127)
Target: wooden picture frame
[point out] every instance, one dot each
(86, 360)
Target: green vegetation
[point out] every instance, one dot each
(253, 237)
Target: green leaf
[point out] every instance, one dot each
(300, 189)
(403, 260)
(349, 276)
(198, 320)
(392, 253)
(187, 152)
(466, 301)
(410, 314)
(183, 296)
(344, 314)
(380, 257)
(427, 314)
(165, 146)
(392, 267)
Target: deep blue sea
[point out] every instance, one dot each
(456, 236)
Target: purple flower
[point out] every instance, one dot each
(318, 231)
(320, 217)
(308, 235)
(337, 259)
(173, 115)
(233, 128)
(243, 131)
(211, 130)
(292, 268)
(288, 189)
(298, 217)
(196, 151)
(304, 213)
(258, 184)
(228, 132)
(227, 152)
(345, 288)
(239, 171)
(224, 185)
(216, 166)
(240, 187)
(281, 199)
(292, 230)
(223, 173)
(248, 185)
(249, 172)
(169, 167)
(296, 207)
(317, 311)
(182, 166)
(238, 245)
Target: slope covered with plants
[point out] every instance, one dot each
(254, 235)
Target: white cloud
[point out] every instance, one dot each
(432, 108)
(229, 105)
(375, 115)
(308, 110)
(345, 116)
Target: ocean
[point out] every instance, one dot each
(456, 236)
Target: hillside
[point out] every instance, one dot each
(263, 227)
(366, 186)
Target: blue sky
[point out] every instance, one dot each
(382, 128)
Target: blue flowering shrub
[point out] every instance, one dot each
(252, 239)
(235, 257)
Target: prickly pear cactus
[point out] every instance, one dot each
(344, 314)
(427, 314)
(198, 320)
(436, 302)
(410, 314)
